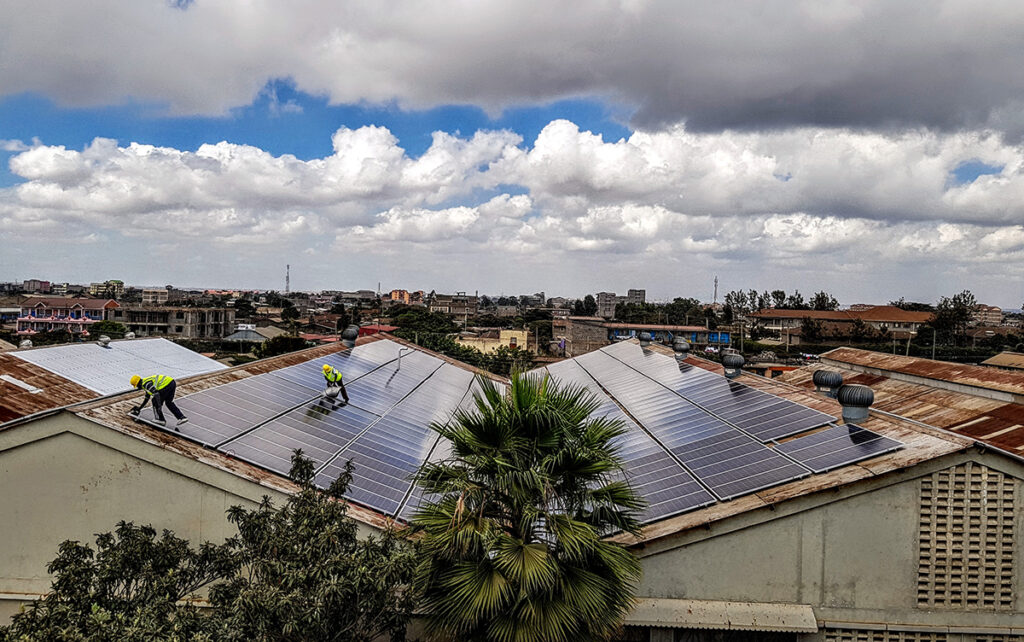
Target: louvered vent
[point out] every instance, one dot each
(966, 539)
(855, 635)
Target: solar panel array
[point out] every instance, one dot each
(384, 429)
(691, 437)
(107, 370)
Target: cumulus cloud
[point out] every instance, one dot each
(657, 201)
(730, 64)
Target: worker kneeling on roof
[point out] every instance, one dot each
(161, 388)
(334, 383)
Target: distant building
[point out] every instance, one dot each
(35, 286)
(492, 340)
(900, 323)
(585, 334)
(113, 289)
(987, 315)
(457, 305)
(187, 323)
(506, 311)
(607, 301)
(155, 296)
(52, 314)
(1006, 360)
(65, 289)
(401, 296)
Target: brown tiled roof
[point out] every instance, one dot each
(886, 313)
(62, 302)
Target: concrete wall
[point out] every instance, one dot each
(68, 478)
(853, 558)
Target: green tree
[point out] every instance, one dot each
(512, 547)
(778, 298)
(589, 305)
(912, 306)
(305, 574)
(822, 300)
(953, 315)
(110, 328)
(796, 301)
(811, 330)
(289, 313)
(280, 344)
(126, 588)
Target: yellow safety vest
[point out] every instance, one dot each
(333, 376)
(155, 383)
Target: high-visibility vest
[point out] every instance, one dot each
(333, 376)
(156, 382)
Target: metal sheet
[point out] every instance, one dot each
(108, 370)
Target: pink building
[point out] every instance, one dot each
(56, 314)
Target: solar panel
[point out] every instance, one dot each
(723, 458)
(351, 363)
(387, 455)
(666, 486)
(317, 428)
(385, 386)
(224, 412)
(108, 370)
(763, 415)
(837, 446)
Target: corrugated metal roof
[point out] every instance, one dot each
(961, 374)
(107, 370)
(727, 616)
(18, 379)
(989, 420)
(880, 313)
(1006, 360)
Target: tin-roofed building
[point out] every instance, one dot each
(774, 511)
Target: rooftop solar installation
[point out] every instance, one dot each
(837, 446)
(758, 413)
(662, 481)
(692, 437)
(106, 370)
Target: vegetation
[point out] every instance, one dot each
(587, 307)
(281, 344)
(512, 547)
(953, 316)
(298, 572)
(112, 329)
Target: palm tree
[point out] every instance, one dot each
(512, 544)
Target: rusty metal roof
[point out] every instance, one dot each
(878, 313)
(1006, 359)
(26, 389)
(992, 421)
(956, 373)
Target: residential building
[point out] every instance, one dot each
(491, 340)
(1006, 360)
(456, 305)
(35, 286)
(636, 296)
(506, 311)
(113, 289)
(187, 323)
(400, 296)
(250, 332)
(155, 296)
(989, 315)
(900, 323)
(67, 289)
(584, 334)
(606, 302)
(55, 314)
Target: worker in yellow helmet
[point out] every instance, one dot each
(161, 388)
(333, 378)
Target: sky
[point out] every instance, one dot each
(874, 150)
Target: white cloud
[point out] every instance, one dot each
(12, 146)
(653, 204)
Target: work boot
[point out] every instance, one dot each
(183, 420)
(160, 422)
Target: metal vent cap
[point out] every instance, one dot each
(349, 336)
(827, 379)
(855, 395)
(681, 345)
(645, 338)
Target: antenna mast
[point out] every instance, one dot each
(716, 288)
(287, 279)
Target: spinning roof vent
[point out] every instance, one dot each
(827, 382)
(25, 343)
(349, 336)
(681, 347)
(645, 339)
(104, 341)
(856, 400)
(733, 365)
(130, 335)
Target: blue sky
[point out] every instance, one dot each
(584, 146)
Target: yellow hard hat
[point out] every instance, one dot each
(327, 368)
(135, 381)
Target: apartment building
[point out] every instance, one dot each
(55, 314)
(987, 315)
(606, 301)
(113, 288)
(187, 323)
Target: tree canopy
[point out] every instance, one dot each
(512, 546)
